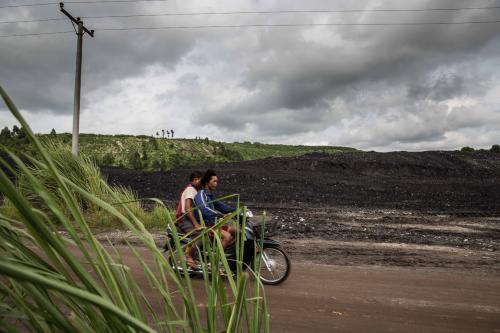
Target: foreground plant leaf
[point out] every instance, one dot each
(48, 289)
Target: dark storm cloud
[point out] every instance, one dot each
(39, 71)
(293, 78)
(36, 73)
(447, 87)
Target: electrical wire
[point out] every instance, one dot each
(323, 11)
(79, 2)
(242, 12)
(38, 34)
(262, 25)
(259, 12)
(296, 25)
(34, 21)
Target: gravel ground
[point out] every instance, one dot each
(427, 209)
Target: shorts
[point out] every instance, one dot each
(185, 224)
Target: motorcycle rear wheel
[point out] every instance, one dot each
(274, 266)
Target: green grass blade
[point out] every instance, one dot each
(14, 271)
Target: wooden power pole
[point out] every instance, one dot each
(78, 76)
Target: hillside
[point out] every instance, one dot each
(254, 151)
(160, 154)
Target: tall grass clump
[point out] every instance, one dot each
(52, 283)
(84, 172)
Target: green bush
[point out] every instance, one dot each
(108, 159)
(467, 149)
(5, 134)
(495, 149)
(153, 143)
(232, 155)
(134, 160)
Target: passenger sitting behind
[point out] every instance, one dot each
(210, 209)
(186, 221)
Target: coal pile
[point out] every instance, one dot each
(438, 181)
(426, 209)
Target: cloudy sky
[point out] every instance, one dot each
(374, 87)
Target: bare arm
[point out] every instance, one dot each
(190, 213)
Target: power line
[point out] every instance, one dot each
(79, 2)
(261, 25)
(294, 25)
(34, 21)
(316, 11)
(39, 34)
(261, 12)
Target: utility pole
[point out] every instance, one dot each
(78, 76)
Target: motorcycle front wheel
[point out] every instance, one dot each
(274, 265)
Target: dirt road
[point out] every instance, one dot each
(329, 298)
(325, 298)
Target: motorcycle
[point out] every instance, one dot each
(275, 264)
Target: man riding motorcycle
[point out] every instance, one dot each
(209, 209)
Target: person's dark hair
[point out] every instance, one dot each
(195, 174)
(207, 176)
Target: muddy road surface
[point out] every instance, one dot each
(324, 298)
(329, 298)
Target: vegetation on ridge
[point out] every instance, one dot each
(156, 154)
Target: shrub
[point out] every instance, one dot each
(495, 149)
(232, 155)
(467, 149)
(108, 159)
(152, 142)
(155, 165)
(5, 134)
(177, 160)
(134, 160)
(163, 164)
